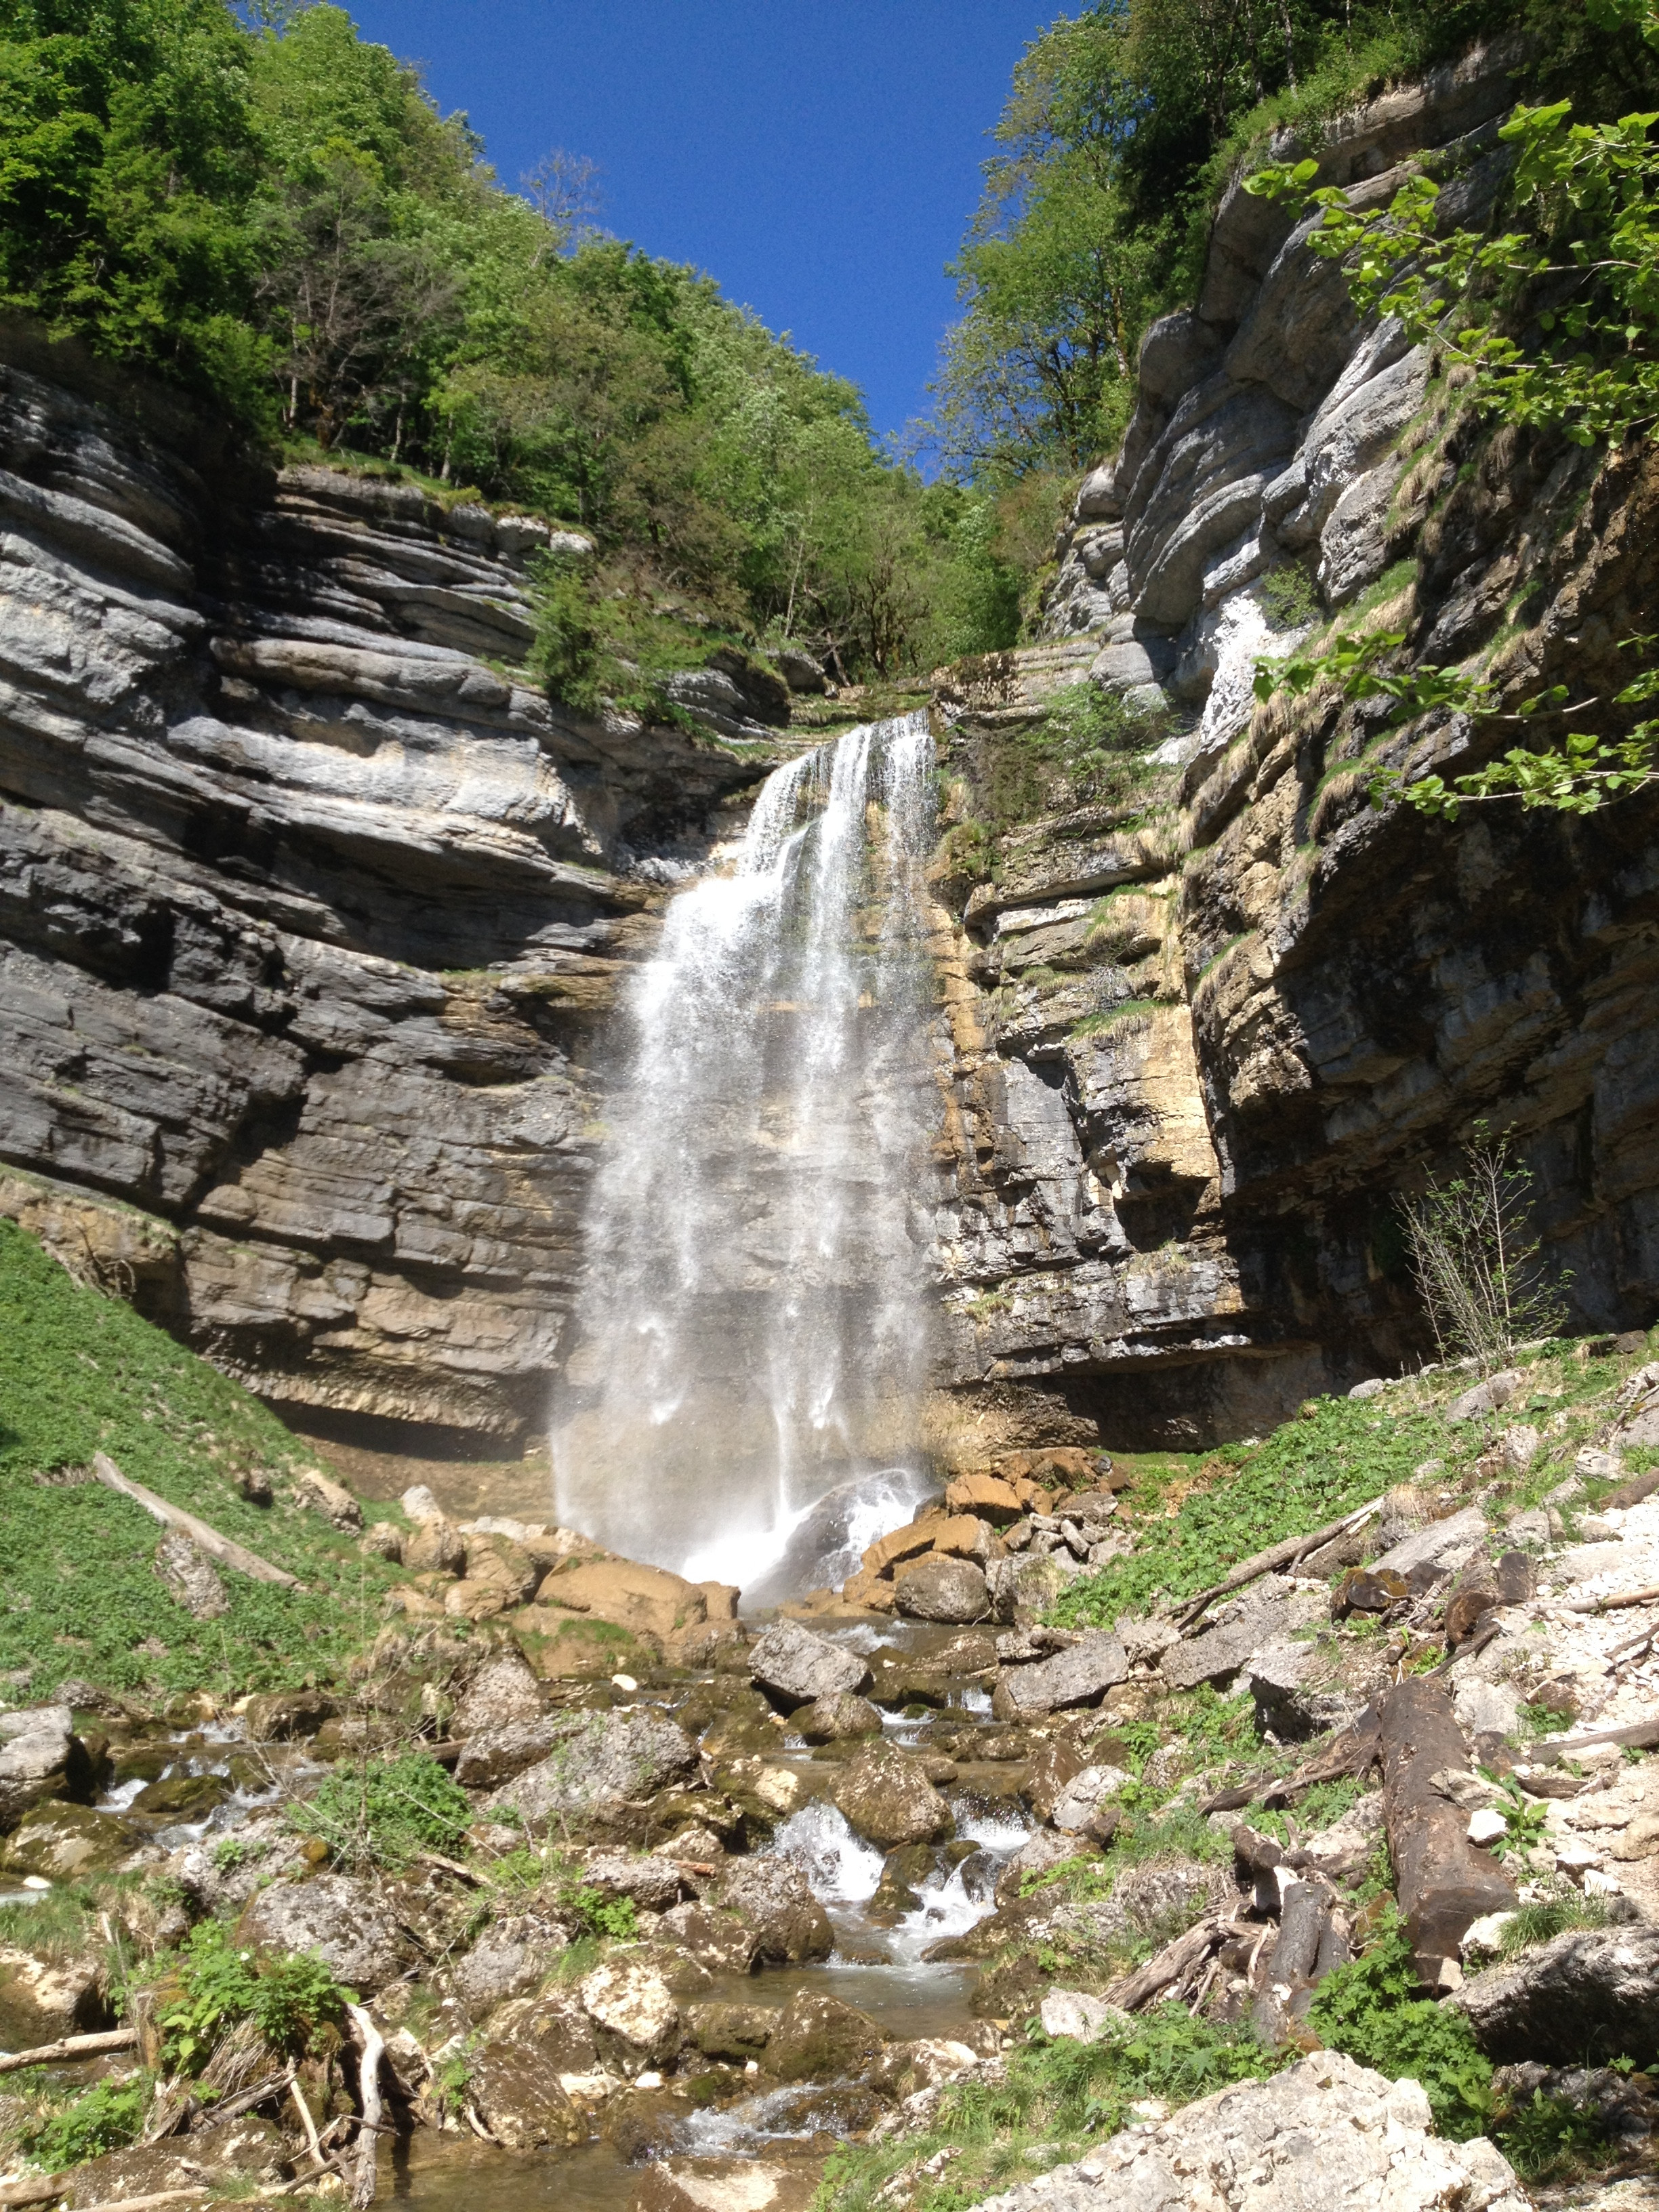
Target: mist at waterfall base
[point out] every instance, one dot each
(743, 1402)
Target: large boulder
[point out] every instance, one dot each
(647, 1601)
(39, 1755)
(41, 2002)
(774, 1899)
(1591, 1994)
(653, 1884)
(633, 2009)
(942, 1588)
(1079, 1676)
(796, 1666)
(732, 2032)
(599, 1762)
(60, 1841)
(521, 2099)
(887, 1799)
(494, 1755)
(1268, 1615)
(840, 1719)
(510, 1958)
(1025, 1584)
(505, 1689)
(342, 1916)
(819, 2039)
(1326, 2136)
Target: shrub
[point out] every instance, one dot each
(292, 1998)
(384, 1812)
(108, 2116)
(1373, 2010)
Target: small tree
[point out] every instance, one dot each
(1476, 1259)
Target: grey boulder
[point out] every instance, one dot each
(38, 1754)
(774, 1899)
(941, 1588)
(343, 1918)
(598, 1762)
(189, 1578)
(888, 1800)
(1326, 2136)
(504, 1690)
(1591, 1994)
(1079, 1676)
(798, 1667)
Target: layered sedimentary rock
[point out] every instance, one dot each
(309, 903)
(1205, 1036)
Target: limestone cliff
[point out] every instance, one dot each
(1202, 1038)
(309, 903)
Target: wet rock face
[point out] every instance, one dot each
(40, 1756)
(888, 1799)
(797, 1667)
(774, 1900)
(307, 909)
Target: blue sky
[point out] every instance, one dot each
(820, 161)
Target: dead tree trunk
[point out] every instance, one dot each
(1443, 1883)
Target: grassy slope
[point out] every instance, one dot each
(1338, 1454)
(79, 1373)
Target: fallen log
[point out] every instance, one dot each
(1616, 1602)
(1285, 1554)
(368, 2079)
(1642, 1735)
(175, 1516)
(1444, 1882)
(69, 2046)
(1632, 1491)
(1172, 1964)
(1349, 1756)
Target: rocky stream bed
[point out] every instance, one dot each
(650, 1903)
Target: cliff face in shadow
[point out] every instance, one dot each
(1204, 1037)
(309, 905)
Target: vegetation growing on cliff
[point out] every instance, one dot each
(281, 220)
(79, 1593)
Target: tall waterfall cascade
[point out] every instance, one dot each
(742, 1403)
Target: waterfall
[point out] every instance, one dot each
(753, 1324)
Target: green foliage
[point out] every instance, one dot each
(105, 2118)
(1310, 1470)
(384, 1812)
(1288, 597)
(1058, 2100)
(1547, 1917)
(1089, 749)
(1373, 2010)
(612, 1917)
(1476, 1259)
(1525, 1825)
(210, 1986)
(82, 1373)
(1547, 2137)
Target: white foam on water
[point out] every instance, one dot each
(840, 1868)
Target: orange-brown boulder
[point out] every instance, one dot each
(986, 1497)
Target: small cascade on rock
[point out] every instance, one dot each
(753, 1328)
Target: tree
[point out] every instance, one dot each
(1475, 1257)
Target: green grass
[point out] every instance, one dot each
(82, 1373)
(1059, 2099)
(384, 1812)
(1339, 1455)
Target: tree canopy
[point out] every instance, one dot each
(274, 214)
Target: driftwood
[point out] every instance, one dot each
(1174, 1963)
(1633, 1490)
(68, 2046)
(1285, 1554)
(1642, 1735)
(1616, 1601)
(1444, 1882)
(175, 1516)
(368, 2141)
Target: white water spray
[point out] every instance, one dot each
(755, 1302)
